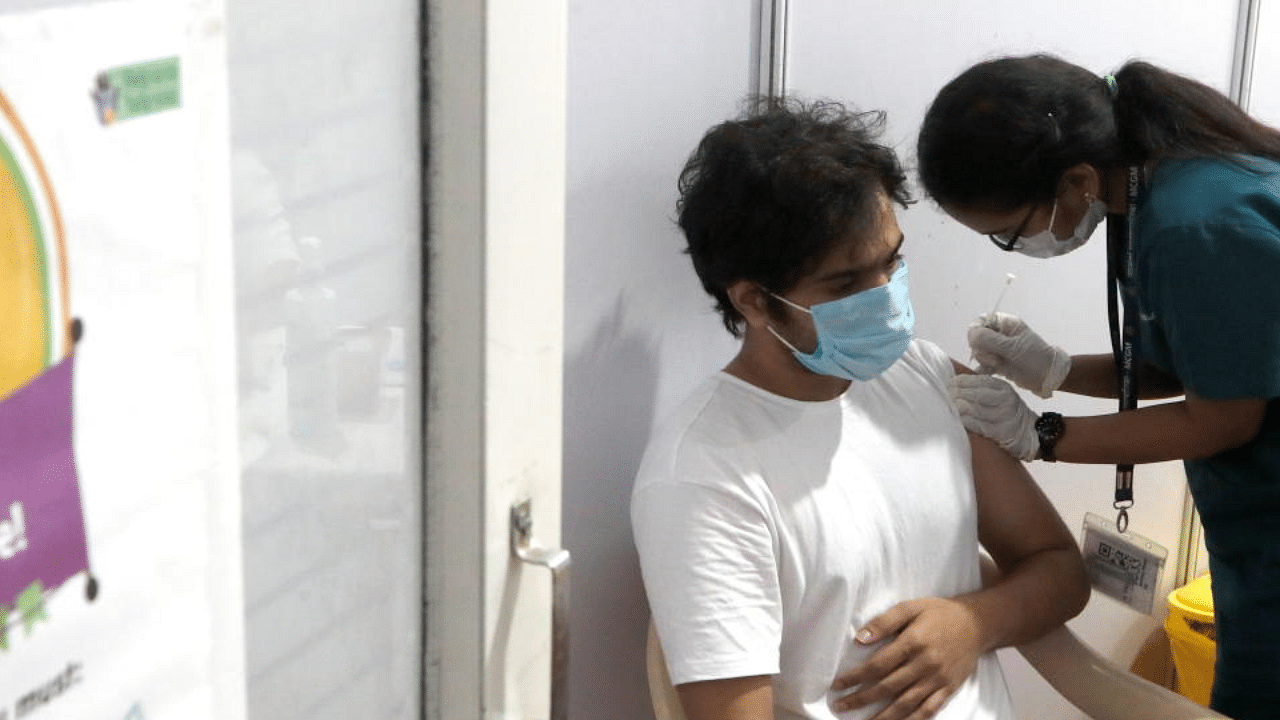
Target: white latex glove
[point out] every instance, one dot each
(993, 409)
(1004, 345)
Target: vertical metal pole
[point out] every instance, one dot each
(1245, 48)
(426, 682)
(771, 55)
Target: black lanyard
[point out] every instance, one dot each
(1120, 279)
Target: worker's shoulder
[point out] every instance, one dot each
(1200, 191)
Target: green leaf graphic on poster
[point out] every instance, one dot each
(31, 606)
(132, 91)
(4, 628)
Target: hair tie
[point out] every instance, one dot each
(1112, 87)
(1055, 132)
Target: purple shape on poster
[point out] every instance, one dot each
(42, 535)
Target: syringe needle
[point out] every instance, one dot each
(1008, 280)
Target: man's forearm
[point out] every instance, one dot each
(1037, 595)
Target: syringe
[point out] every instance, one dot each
(1008, 280)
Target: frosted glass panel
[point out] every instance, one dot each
(324, 118)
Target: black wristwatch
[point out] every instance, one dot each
(1049, 427)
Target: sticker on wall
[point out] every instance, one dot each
(42, 533)
(133, 91)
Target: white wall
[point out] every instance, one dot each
(646, 79)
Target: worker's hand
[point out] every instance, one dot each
(936, 648)
(993, 409)
(1003, 344)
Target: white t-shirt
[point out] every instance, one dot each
(770, 530)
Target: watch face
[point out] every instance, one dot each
(1050, 426)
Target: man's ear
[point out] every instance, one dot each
(750, 300)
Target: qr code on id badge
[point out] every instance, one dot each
(1125, 566)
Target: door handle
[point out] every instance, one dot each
(557, 561)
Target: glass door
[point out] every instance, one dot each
(326, 198)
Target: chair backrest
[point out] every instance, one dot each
(1096, 686)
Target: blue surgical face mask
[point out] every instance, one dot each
(860, 335)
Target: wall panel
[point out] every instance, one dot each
(645, 81)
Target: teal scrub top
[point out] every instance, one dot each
(1208, 285)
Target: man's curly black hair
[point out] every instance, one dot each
(765, 196)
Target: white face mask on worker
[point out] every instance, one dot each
(1045, 244)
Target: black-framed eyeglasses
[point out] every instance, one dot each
(1008, 241)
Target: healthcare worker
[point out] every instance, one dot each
(1032, 152)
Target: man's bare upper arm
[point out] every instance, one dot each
(1015, 518)
(742, 698)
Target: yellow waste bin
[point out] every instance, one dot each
(1193, 637)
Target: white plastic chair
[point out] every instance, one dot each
(1100, 689)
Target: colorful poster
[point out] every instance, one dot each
(119, 524)
(42, 538)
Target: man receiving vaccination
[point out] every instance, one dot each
(809, 520)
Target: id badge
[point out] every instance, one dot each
(1125, 566)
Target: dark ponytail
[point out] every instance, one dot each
(1001, 134)
(1163, 114)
